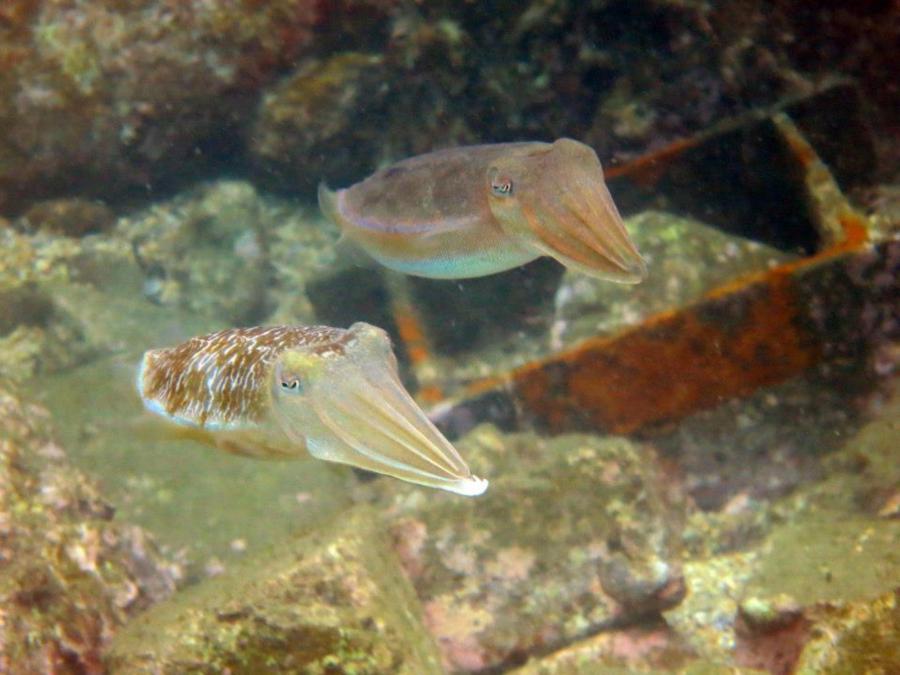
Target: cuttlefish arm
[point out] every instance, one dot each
(477, 210)
(364, 417)
(286, 391)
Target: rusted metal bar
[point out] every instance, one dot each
(412, 332)
(753, 332)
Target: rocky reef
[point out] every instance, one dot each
(333, 602)
(696, 474)
(70, 572)
(576, 535)
(582, 548)
(106, 99)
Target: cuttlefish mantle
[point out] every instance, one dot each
(477, 210)
(285, 391)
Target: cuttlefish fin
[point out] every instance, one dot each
(153, 429)
(243, 442)
(348, 252)
(328, 205)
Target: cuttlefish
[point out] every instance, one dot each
(477, 210)
(285, 391)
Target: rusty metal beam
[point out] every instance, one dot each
(753, 332)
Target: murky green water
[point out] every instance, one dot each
(698, 472)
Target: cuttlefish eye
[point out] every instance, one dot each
(501, 185)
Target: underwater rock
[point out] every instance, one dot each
(685, 259)
(334, 601)
(655, 650)
(824, 546)
(320, 122)
(36, 334)
(574, 536)
(652, 648)
(862, 637)
(226, 253)
(207, 251)
(71, 574)
(105, 97)
(748, 450)
(69, 217)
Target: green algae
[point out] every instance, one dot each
(829, 556)
(832, 546)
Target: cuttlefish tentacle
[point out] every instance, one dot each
(400, 428)
(614, 242)
(287, 390)
(373, 433)
(577, 245)
(477, 210)
(381, 406)
(369, 418)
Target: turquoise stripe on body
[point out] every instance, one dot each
(455, 267)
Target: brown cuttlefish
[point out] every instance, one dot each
(477, 210)
(285, 391)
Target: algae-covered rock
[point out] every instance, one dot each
(317, 124)
(38, 333)
(833, 545)
(648, 649)
(207, 251)
(825, 546)
(333, 602)
(685, 259)
(106, 96)
(64, 300)
(862, 637)
(227, 252)
(70, 574)
(826, 555)
(70, 217)
(649, 652)
(573, 536)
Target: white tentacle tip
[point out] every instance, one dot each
(469, 487)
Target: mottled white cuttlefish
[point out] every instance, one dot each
(284, 391)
